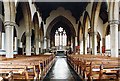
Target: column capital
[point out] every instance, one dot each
(114, 22)
(9, 23)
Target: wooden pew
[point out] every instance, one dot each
(89, 66)
(8, 71)
(39, 64)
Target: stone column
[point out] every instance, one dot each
(3, 41)
(101, 46)
(42, 46)
(76, 43)
(90, 41)
(94, 28)
(45, 44)
(37, 46)
(48, 43)
(85, 44)
(114, 39)
(114, 21)
(94, 43)
(37, 42)
(9, 28)
(71, 44)
(36, 37)
(81, 47)
(28, 44)
(28, 34)
(9, 23)
(90, 50)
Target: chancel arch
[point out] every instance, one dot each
(65, 13)
(63, 22)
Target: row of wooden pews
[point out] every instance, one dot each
(26, 68)
(95, 67)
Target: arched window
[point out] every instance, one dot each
(64, 38)
(56, 38)
(60, 37)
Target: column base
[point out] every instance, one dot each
(9, 55)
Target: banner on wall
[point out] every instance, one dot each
(103, 49)
(78, 49)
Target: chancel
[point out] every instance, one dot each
(59, 41)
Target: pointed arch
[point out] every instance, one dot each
(86, 26)
(62, 19)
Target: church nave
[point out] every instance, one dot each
(61, 71)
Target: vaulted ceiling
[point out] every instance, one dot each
(103, 12)
(76, 8)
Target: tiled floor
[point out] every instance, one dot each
(61, 71)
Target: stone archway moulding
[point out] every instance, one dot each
(60, 12)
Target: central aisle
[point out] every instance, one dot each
(61, 71)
